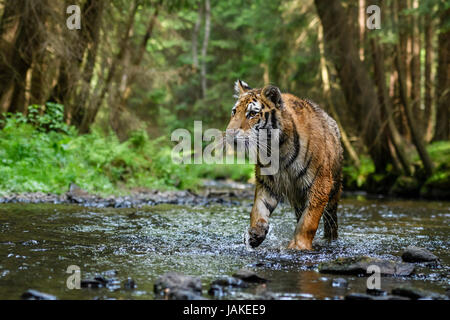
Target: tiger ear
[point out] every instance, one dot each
(272, 94)
(240, 87)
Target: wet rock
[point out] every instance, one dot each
(129, 284)
(359, 265)
(138, 198)
(173, 281)
(376, 292)
(92, 283)
(249, 276)
(220, 286)
(416, 254)
(36, 295)
(181, 294)
(358, 296)
(415, 294)
(230, 282)
(30, 243)
(267, 295)
(101, 280)
(363, 296)
(78, 195)
(216, 290)
(339, 283)
(110, 273)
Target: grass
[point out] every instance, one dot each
(42, 154)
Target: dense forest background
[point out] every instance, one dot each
(96, 106)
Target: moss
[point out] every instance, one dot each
(405, 186)
(438, 185)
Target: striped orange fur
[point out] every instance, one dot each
(310, 162)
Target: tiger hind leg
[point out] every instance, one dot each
(330, 219)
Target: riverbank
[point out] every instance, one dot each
(212, 193)
(41, 158)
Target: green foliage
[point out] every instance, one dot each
(237, 172)
(354, 176)
(440, 154)
(39, 153)
(48, 117)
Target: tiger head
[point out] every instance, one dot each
(254, 110)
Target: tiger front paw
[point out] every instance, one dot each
(257, 234)
(300, 245)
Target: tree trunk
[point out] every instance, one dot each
(430, 110)
(93, 11)
(37, 88)
(383, 97)
(327, 93)
(130, 78)
(415, 131)
(362, 27)
(443, 81)
(205, 45)
(415, 68)
(356, 84)
(402, 24)
(195, 39)
(91, 113)
(71, 61)
(26, 45)
(9, 26)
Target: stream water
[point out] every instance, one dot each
(38, 242)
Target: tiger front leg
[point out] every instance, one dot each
(263, 206)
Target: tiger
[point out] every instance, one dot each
(310, 162)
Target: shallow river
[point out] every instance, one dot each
(39, 242)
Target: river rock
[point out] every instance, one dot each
(249, 276)
(92, 283)
(376, 292)
(36, 295)
(358, 296)
(267, 295)
(100, 281)
(359, 265)
(230, 282)
(216, 290)
(174, 281)
(363, 296)
(181, 294)
(339, 283)
(129, 284)
(220, 285)
(416, 254)
(415, 294)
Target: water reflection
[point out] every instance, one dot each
(39, 242)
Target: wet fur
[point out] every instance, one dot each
(310, 163)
